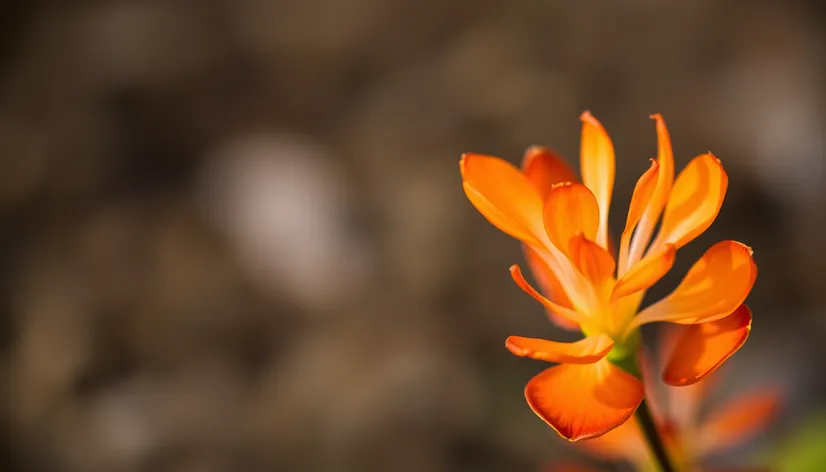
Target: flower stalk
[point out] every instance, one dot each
(652, 438)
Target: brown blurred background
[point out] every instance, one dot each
(234, 236)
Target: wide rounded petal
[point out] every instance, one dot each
(570, 209)
(598, 168)
(591, 259)
(665, 180)
(550, 287)
(568, 313)
(713, 288)
(584, 401)
(646, 272)
(503, 195)
(544, 168)
(739, 420)
(585, 351)
(695, 200)
(643, 192)
(701, 348)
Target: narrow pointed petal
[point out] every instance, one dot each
(702, 348)
(544, 168)
(665, 179)
(570, 209)
(598, 168)
(584, 401)
(567, 313)
(739, 420)
(503, 195)
(713, 288)
(591, 259)
(585, 351)
(695, 201)
(646, 272)
(643, 192)
(550, 287)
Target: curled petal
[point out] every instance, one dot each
(713, 288)
(545, 168)
(567, 313)
(695, 200)
(739, 420)
(665, 179)
(701, 348)
(646, 272)
(643, 192)
(570, 209)
(550, 287)
(591, 259)
(584, 401)
(503, 195)
(585, 351)
(598, 167)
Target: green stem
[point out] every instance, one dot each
(652, 437)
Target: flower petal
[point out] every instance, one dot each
(568, 468)
(503, 195)
(585, 351)
(567, 313)
(695, 200)
(626, 442)
(597, 167)
(591, 259)
(550, 287)
(570, 209)
(702, 348)
(640, 199)
(584, 401)
(545, 168)
(665, 179)
(645, 273)
(739, 421)
(713, 288)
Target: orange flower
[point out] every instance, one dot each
(689, 437)
(563, 226)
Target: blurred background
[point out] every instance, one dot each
(234, 236)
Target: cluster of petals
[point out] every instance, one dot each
(689, 436)
(587, 284)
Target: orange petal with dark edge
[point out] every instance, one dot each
(570, 209)
(695, 201)
(646, 272)
(591, 259)
(713, 288)
(739, 421)
(544, 168)
(584, 401)
(550, 287)
(665, 179)
(503, 195)
(568, 313)
(585, 351)
(643, 191)
(702, 348)
(597, 165)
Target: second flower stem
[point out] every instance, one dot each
(652, 437)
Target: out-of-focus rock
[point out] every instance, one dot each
(285, 206)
